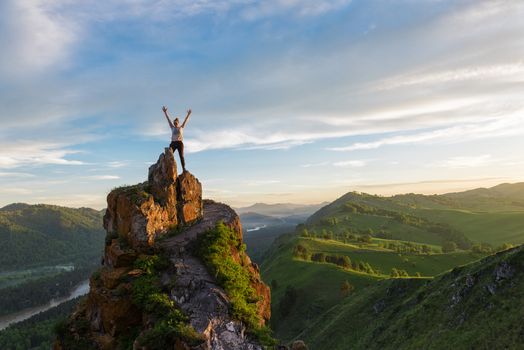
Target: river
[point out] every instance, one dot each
(80, 289)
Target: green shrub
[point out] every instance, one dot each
(147, 294)
(214, 248)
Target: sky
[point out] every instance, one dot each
(293, 100)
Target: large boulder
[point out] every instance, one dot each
(189, 203)
(134, 215)
(162, 178)
(140, 214)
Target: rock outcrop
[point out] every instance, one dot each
(164, 214)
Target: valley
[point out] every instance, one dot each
(352, 248)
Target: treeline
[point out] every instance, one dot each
(35, 235)
(397, 246)
(409, 247)
(41, 291)
(37, 332)
(480, 248)
(343, 261)
(446, 232)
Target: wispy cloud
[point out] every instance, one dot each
(16, 191)
(261, 182)
(314, 165)
(31, 37)
(510, 125)
(19, 153)
(464, 162)
(117, 164)
(351, 163)
(16, 175)
(513, 71)
(103, 177)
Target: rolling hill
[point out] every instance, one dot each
(467, 308)
(35, 235)
(355, 249)
(281, 209)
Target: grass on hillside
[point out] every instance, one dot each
(384, 261)
(478, 306)
(317, 287)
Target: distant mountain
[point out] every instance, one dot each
(32, 235)
(498, 198)
(252, 220)
(281, 209)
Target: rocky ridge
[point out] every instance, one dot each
(164, 214)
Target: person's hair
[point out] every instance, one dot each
(177, 120)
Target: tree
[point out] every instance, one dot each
(288, 300)
(305, 233)
(505, 246)
(301, 252)
(449, 246)
(365, 238)
(346, 262)
(346, 288)
(274, 284)
(319, 257)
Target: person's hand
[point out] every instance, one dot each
(189, 111)
(164, 108)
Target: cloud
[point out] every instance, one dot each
(261, 182)
(305, 8)
(32, 38)
(323, 87)
(15, 175)
(20, 153)
(103, 177)
(510, 72)
(464, 162)
(510, 125)
(117, 164)
(16, 191)
(350, 164)
(314, 165)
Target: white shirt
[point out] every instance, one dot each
(177, 134)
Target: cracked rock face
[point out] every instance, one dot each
(198, 294)
(135, 218)
(143, 212)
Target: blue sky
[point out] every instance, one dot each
(293, 101)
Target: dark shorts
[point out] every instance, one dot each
(177, 145)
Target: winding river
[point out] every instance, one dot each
(80, 289)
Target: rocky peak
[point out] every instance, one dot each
(162, 178)
(164, 216)
(142, 213)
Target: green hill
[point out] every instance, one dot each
(478, 306)
(357, 246)
(493, 216)
(35, 235)
(316, 286)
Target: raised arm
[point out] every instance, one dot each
(164, 109)
(187, 118)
